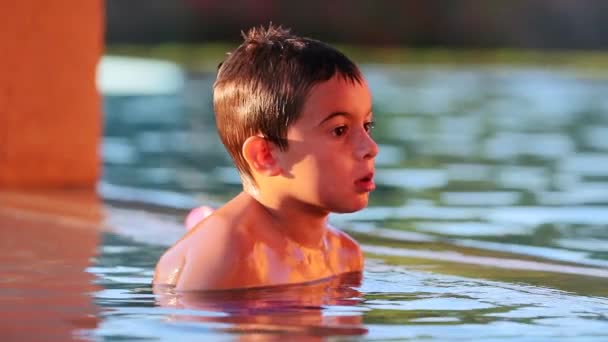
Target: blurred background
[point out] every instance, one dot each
(478, 102)
(492, 118)
(554, 24)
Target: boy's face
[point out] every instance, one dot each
(329, 162)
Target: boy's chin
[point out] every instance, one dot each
(346, 208)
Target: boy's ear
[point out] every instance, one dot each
(260, 155)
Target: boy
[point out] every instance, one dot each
(295, 116)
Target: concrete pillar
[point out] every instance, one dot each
(50, 111)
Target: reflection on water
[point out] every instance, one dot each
(489, 219)
(47, 240)
(326, 307)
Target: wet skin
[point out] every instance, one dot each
(279, 234)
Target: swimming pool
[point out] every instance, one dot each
(489, 222)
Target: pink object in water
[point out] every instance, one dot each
(197, 215)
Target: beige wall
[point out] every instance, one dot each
(50, 111)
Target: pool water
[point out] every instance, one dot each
(488, 223)
(392, 300)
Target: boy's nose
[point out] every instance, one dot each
(367, 149)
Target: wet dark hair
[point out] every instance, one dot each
(262, 85)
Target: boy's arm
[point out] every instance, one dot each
(212, 258)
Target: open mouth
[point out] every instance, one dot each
(366, 183)
(366, 179)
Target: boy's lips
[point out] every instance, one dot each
(366, 183)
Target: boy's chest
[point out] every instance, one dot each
(294, 265)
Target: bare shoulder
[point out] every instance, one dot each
(349, 247)
(207, 257)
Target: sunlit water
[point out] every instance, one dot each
(489, 221)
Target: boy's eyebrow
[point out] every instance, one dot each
(334, 114)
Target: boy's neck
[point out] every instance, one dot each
(301, 223)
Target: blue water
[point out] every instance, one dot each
(489, 221)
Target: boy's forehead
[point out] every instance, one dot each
(337, 95)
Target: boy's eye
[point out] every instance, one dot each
(368, 126)
(339, 131)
